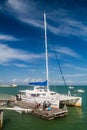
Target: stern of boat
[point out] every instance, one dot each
(78, 102)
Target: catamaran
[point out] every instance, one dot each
(41, 91)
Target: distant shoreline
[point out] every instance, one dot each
(8, 85)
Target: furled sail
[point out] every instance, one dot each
(38, 83)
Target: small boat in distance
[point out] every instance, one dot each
(80, 90)
(14, 85)
(71, 87)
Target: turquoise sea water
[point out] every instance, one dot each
(76, 119)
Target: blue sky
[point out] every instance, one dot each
(22, 54)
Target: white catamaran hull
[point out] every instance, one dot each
(41, 95)
(72, 101)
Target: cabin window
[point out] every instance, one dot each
(34, 95)
(22, 93)
(44, 94)
(53, 93)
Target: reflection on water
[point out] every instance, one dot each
(79, 112)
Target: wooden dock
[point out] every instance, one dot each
(40, 112)
(49, 115)
(32, 108)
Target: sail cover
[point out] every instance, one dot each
(38, 83)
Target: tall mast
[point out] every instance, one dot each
(46, 51)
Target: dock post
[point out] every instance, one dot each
(1, 119)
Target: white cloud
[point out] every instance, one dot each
(29, 13)
(19, 65)
(67, 51)
(35, 23)
(76, 75)
(17, 5)
(36, 80)
(32, 70)
(67, 27)
(7, 38)
(61, 82)
(75, 67)
(14, 80)
(26, 12)
(1, 81)
(8, 54)
(70, 82)
(26, 80)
